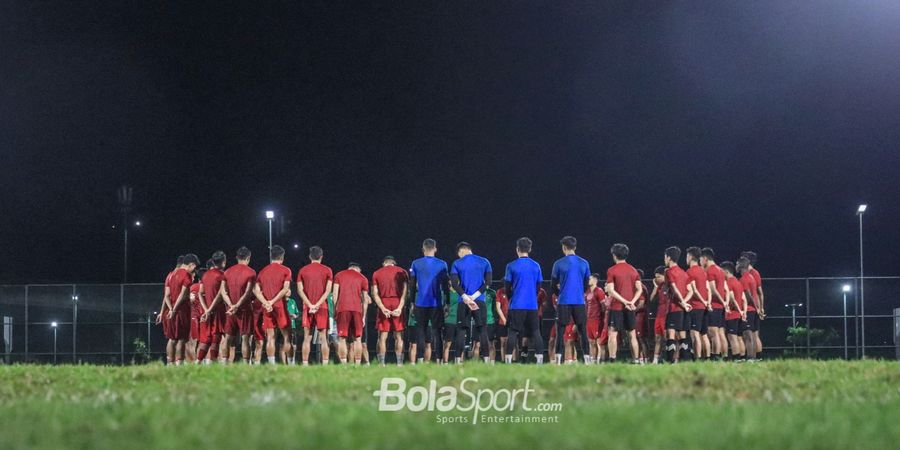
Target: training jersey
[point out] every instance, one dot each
(503, 301)
(676, 278)
(292, 311)
(271, 280)
(698, 276)
(592, 300)
(756, 276)
(662, 295)
(490, 297)
(196, 309)
(390, 281)
(212, 281)
(717, 276)
(237, 278)
(315, 278)
(180, 279)
(450, 307)
(622, 276)
(472, 271)
(430, 274)
(524, 275)
(748, 281)
(352, 285)
(546, 308)
(737, 288)
(573, 272)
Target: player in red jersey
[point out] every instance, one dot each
(273, 286)
(680, 293)
(212, 321)
(717, 288)
(239, 282)
(761, 306)
(623, 284)
(592, 301)
(501, 306)
(661, 293)
(389, 287)
(196, 312)
(179, 306)
(640, 315)
(351, 291)
(735, 311)
(314, 283)
(751, 333)
(701, 304)
(163, 317)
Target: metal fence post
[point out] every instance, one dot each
(26, 323)
(74, 323)
(122, 325)
(807, 319)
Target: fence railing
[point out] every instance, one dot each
(96, 323)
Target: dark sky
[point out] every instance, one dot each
(738, 125)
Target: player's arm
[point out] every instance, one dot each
(257, 291)
(679, 297)
(499, 312)
(399, 309)
(220, 293)
(378, 302)
(246, 297)
(181, 297)
(612, 292)
(710, 287)
(690, 292)
(165, 304)
(324, 297)
(336, 289)
(728, 296)
(302, 294)
(638, 291)
(284, 292)
(762, 302)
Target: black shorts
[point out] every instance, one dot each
(753, 320)
(501, 330)
(699, 320)
(449, 332)
(525, 320)
(571, 313)
(412, 334)
(491, 330)
(733, 326)
(464, 314)
(622, 320)
(675, 321)
(717, 318)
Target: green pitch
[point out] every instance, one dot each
(777, 404)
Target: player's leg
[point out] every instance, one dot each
(481, 332)
(398, 344)
(582, 345)
(306, 346)
(422, 315)
(629, 323)
(564, 315)
(513, 326)
(616, 320)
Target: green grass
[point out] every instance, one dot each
(777, 404)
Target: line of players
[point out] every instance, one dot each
(701, 312)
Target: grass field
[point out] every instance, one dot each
(775, 404)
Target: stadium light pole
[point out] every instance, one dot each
(845, 288)
(270, 215)
(862, 296)
(54, 325)
(125, 195)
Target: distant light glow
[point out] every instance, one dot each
(862, 209)
(270, 214)
(137, 223)
(296, 246)
(53, 324)
(846, 288)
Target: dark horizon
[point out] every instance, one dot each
(370, 128)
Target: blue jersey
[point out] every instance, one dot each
(430, 274)
(524, 274)
(573, 272)
(471, 270)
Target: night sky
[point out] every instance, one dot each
(736, 125)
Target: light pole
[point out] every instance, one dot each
(794, 307)
(124, 194)
(270, 215)
(845, 289)
(862, 296)
(54, 325)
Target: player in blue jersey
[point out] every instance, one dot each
(427, 277)
(523, 282)
(470, 276)
(570, 278)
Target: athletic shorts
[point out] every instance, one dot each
(659, 325)
(449, 332)
(593, 329)
(622, 320)
(717, 318)
(181, 325)
(733, 326)
(277, 318)
(259, 333)
(501, 331)
(640, 326)
(319, 320)
(195, 329)
(699, 320)
(411, 329)
(208, 332)
(604, 335)
(384, 323)
(675, 321)
(167, 325)
(349, 324)
(753, 320)
(464, 314)
(570, 333)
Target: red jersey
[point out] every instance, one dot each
(698, 276)
(352, 285)
(179, 280)
(543, 304)
(748, 281)
(642, 300)
(271, 280)
(623, 276)
(239, 279)
(196, 309)
(737, 288)
(212, 282)
(315, 278)
(390, 281)
(592, 301)
(678, 279)
(717, 276)
(503, 300)
(756, 276)
(662, 294)
(168, 278)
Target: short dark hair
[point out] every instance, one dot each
(210, 263)
(277, 252)
(660, 270)
(191, 258)
(316, 252)
(641, 273)
(180, 260)
(693, 252)
(569, 242)
(674, 253)
(750, 255)
(429, 244)
(463, 244)
(389, 258)
(620, 251)
(218, 258)
(596, 275)
(727, 266)
(354, 264)
(708, 253)
(523, 244)
(742, 264)
(243, 253)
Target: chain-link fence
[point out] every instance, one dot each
(114, 324)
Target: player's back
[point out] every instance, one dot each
(430, 274)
